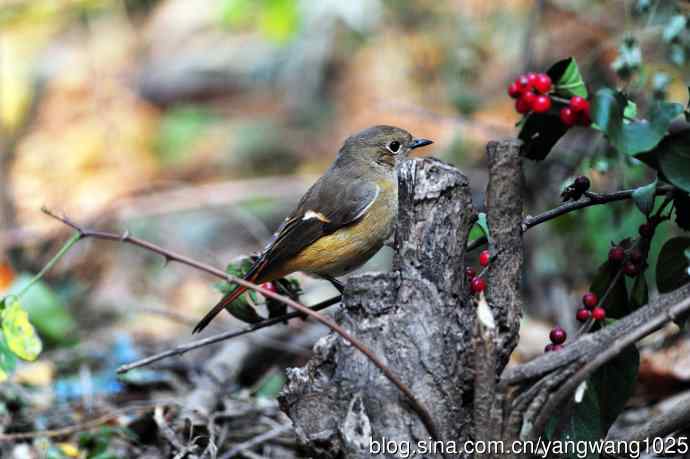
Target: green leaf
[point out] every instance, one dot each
(673, 156)
(614, 383)
(539, 134)
(483, 224)
(639, 294)
(644, 197)
(19, 333)
(8, 361)
(633, 137)
(672, 265)
(271, 386)
(578, 422)
(616, 303)
(568, 79)
(47, 312)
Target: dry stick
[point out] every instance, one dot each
(590, 199)
(172, 256)
(616, 348)
(183, 348)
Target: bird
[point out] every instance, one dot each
(342, 220)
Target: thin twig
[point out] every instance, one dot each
(424, 415)
(183, 348)
(590, 199)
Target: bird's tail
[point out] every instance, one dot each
(251, 276)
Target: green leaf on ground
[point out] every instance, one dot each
(578, 420)
(614, 383)
(19, 333)
(672, 265)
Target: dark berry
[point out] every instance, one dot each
(478, 285)
(558, 335)
(631, 269)
(542, 83)
(646, 230)
(484, 258)
(590, 300)
(514, 90)
(598, 313)
(548, 347)
(470, 272)
(616, 254)
(583, 315)
(581, 183)
(541, 104)
(568, 116)
(636, 256)
(579, 104)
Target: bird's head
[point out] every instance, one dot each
(383, 147)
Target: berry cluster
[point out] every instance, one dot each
(576, 189)
(633, 261)
(477, 283)
(557, 337)
(530, 92)
(590, 309)
(576, 112)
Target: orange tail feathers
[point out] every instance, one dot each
(251, 276)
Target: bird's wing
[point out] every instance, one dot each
(323, 210)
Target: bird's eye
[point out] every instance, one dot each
(394, 146)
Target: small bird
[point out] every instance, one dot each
(342, 220)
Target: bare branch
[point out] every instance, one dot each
(169, 255)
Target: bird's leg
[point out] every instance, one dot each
(334, 282)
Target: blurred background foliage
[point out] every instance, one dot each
(198, 125)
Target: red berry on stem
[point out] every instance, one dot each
(636, 256)
(599, 313)
(568, 116)
(541, 104)
(590, 299)
(484, 258)
(531, 79)
(470, 273)
(616, 254)
(558, 335)
(579, 104)
(522, 105)
(548, 347)
(522, 82)
(583, 315)
(478, 285)
(514, 90)
(269, 286)
(631, 269)
(646, 230)
(542, 83)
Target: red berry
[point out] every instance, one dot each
(568, 116)
(616, 254)
(590, 299)
(636, 256)
(598, 313)
(470, 273)
(557, 347)
(270, 286)
(514, 90)
(631, 269)
(484, 258)
(583, 315)
(646, 230)
(548, 347)
(522, 82)
(579, 104)
(524, 103)
(558, 335)
(584, 118)
(541, 104)
(542, 83)
(478, 285)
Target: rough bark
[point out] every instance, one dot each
(419, 319)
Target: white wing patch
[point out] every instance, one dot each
(308, 215)
(371, 203)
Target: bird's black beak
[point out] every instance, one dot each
(416, 143)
